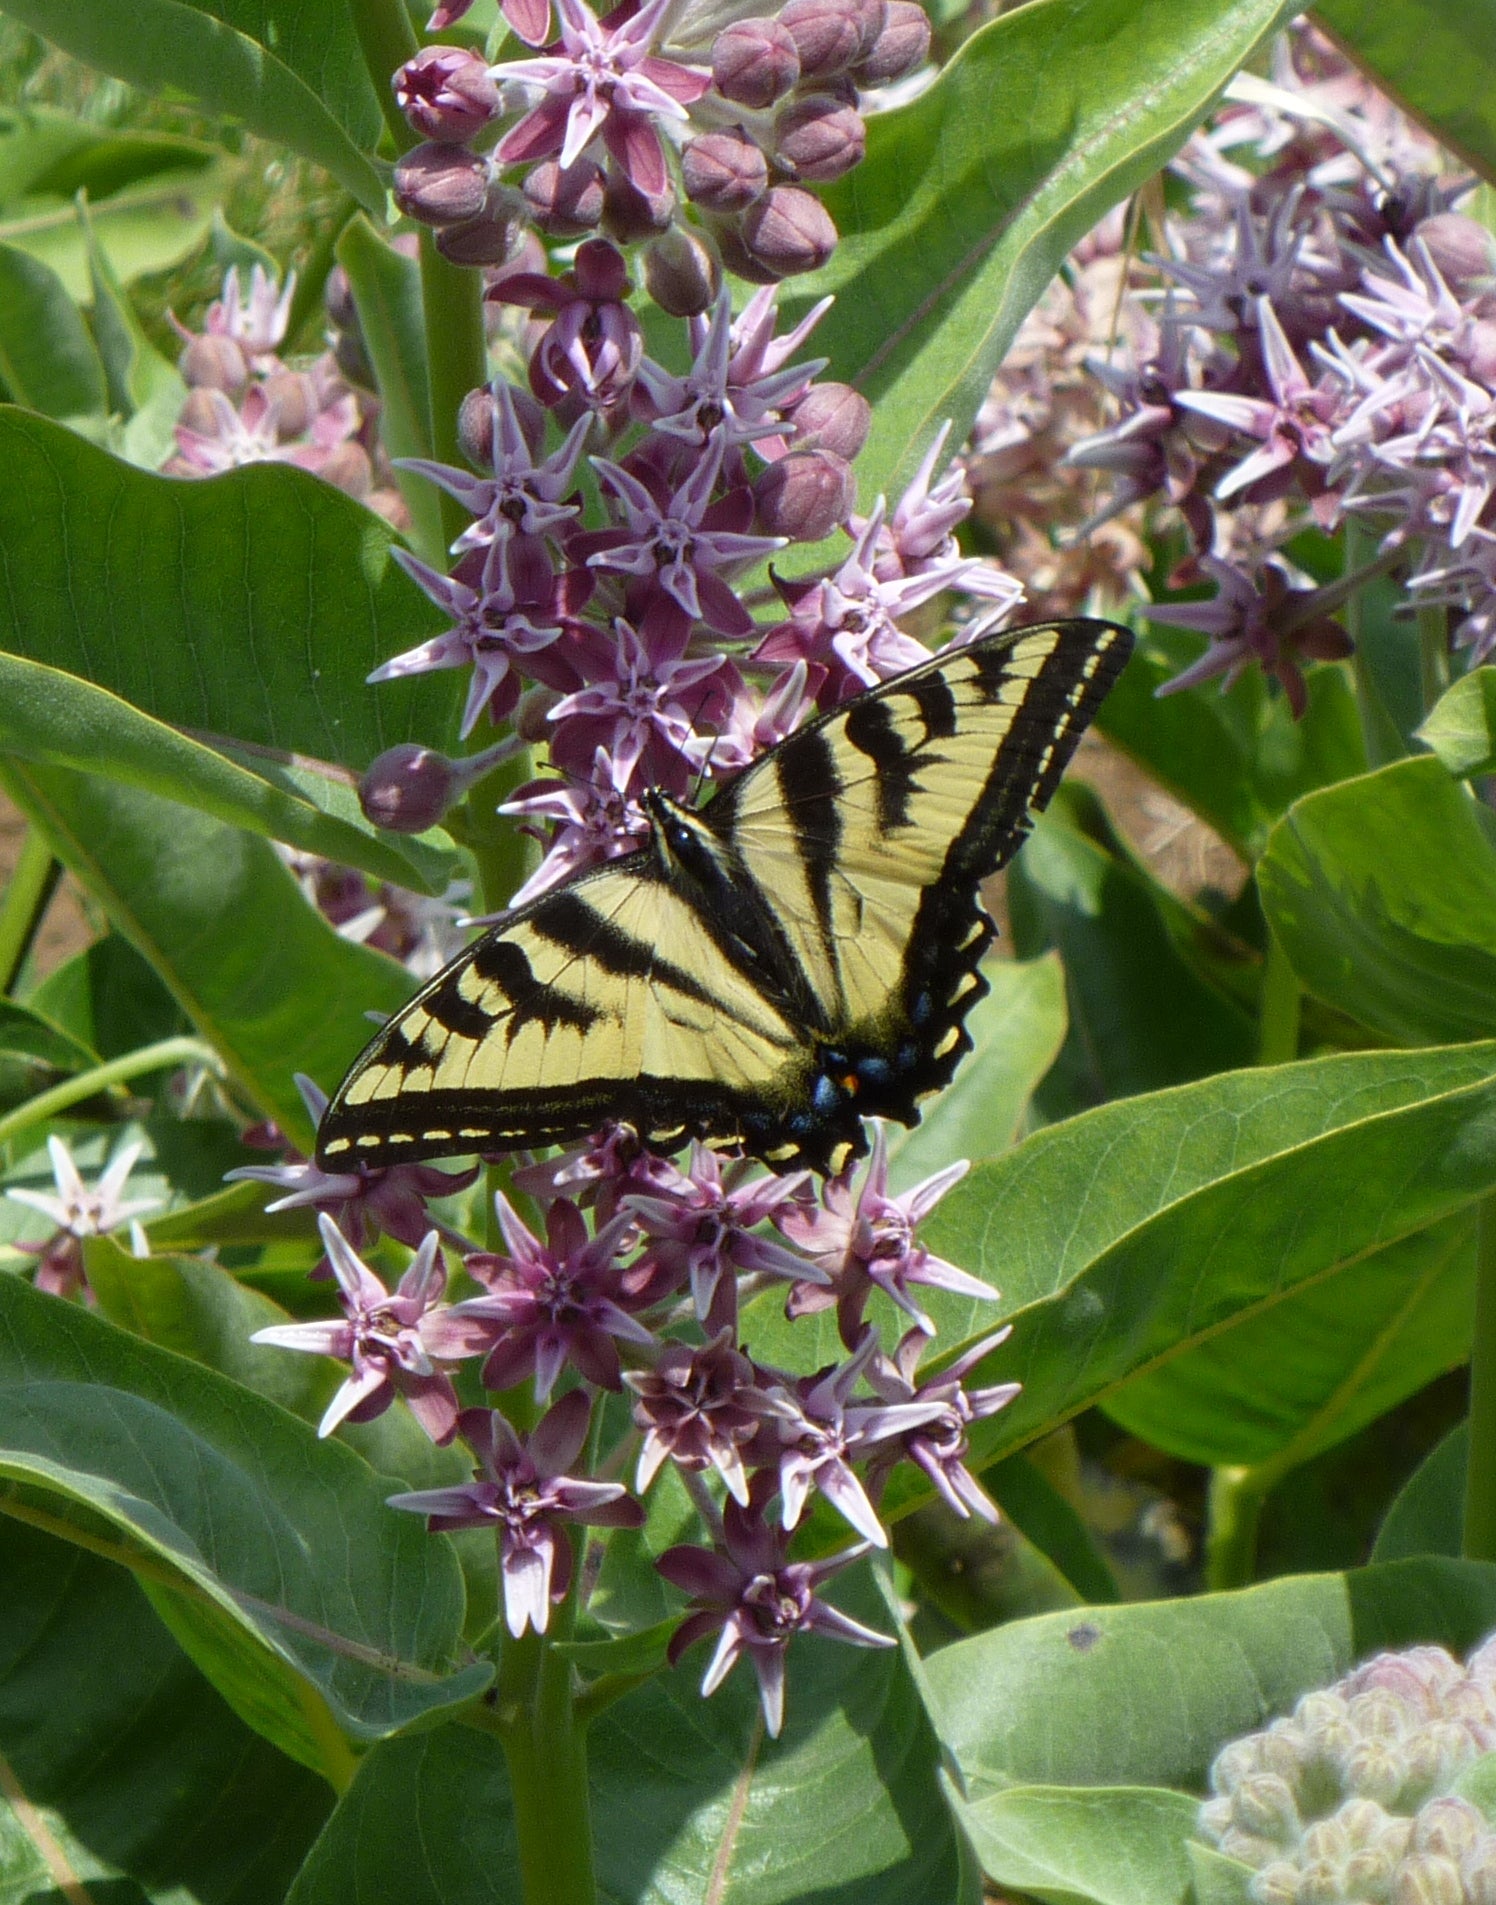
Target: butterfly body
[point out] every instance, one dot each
(768, 971)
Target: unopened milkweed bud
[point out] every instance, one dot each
(755, 62)
(724, 171)
(832, 35)
(630, 214)
(903, 44)
(681, 273)
(493, 237)
(832, 417)
(213, 362)
(293, 401)
(564, 204)
(788, 231)
(804, 496)
(408, 788)
(819, 138)
(347, 468)
(445, 92)
(441, 184)
(476, 417)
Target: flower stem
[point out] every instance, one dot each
(73, 1091)
(1480, 1472)
(1378, 734)
(456, 357)
(545, 1746)
(27, 896)
(311, 279)
(1278, 1007)
(1433, 653)
(1234, 1509)
(388, 40)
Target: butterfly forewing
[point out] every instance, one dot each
(812, 964)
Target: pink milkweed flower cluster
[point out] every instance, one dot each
(1315, 342)
(246, 404)
(613, 1307)
(620, 635)
(612, 598)
(656, 124)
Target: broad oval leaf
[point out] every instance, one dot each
(1382, 892)
(57, 720)
(290, 70)
(251, 606)
(1307, 1372)
(137, 1768)
(970, 198)
(1427, 1515)
(1120, 1845)
(311, 1604)
(1148, 1693)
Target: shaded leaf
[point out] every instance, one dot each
(1436, 58)
(55, 719)
(1382, 892)
(314, 1609)
(47, 358)
(1141, 1017)
(689, 1801)
(1238, 759)
(140, 1770)
(1427, 1515)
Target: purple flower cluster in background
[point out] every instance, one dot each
(1315, 342)
(655, 124)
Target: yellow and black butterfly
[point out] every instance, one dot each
(768, 971)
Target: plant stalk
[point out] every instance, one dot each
(1234, 1510)
(74, 1091)
(1278, 1007)
(1480, 1473)
(545, 1746)
(27, 897)
(1433, 653)
(388, 40)
(456, 359)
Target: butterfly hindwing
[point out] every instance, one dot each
(797, 956)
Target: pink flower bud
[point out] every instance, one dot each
(724, 171)
(294, 402)
(903, 44)
(755, 62)
(492, 238)
(788, 232)
(630, 214)
(348, 468)
(681, 274)
(804, 495)
(214, 362)
(1464, 251)
(446, 94)
(565, 204)
(832, 417)
(408, 788)
(200, 413)
(475, 423)
(832, 35)
(441, 184)
(819, 138)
